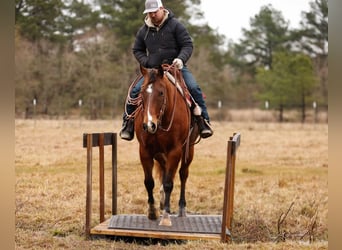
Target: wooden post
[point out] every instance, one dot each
(114, 175)
(101, 177)
(89, 183)
(100, 140)
(231, 183)
(228, 199)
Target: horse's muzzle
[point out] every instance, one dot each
(150, 127)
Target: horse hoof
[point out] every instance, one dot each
(152, 214)
(182, 212)
(166, 220)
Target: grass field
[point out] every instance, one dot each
(281, 189)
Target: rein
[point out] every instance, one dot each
(133, 101)
(182, 91)
(167, 69)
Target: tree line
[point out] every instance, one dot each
(74, 57)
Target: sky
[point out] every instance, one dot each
(229, 17)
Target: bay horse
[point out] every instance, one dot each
(166, 133)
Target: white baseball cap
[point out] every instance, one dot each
(152, 5)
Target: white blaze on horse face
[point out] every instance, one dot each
(149, 91)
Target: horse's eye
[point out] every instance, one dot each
(161, 93)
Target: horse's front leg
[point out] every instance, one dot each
(147, 163)
(183, 175)
(152, 211)
(168, 187)
(173, 159)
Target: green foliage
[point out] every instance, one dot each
(291, 78)
(81, 50)
(313, 40)
(125, 17)
(268, 34)
(39, 19)
(80, 18)
(54, 20)
(314, 29)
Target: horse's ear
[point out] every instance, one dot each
(143, 70)
(160, 71)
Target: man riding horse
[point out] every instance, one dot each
(163, 39)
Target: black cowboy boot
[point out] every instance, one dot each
(205, 130)
(127, 131)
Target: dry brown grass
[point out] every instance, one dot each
(281, 191)
(258, 115)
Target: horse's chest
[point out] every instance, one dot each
(161, 144)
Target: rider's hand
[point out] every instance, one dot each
(178, 63)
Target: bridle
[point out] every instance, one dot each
(166, 68)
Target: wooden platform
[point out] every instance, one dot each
(192, 227)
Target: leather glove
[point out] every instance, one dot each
(178, 63)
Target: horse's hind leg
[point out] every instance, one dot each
(162, 197)
(160, 167)
(183, 173)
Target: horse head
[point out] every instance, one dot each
(153, 93)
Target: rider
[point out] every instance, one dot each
(163, 39)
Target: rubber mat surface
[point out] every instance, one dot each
(190, 224)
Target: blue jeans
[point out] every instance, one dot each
(190, 82)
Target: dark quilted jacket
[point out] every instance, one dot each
(153, 47)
